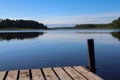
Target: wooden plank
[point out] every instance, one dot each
(24, 75)
(12, 75)
(37, 74)
(49, 74)
(74, 74)
(88, 74)
(62, 74)
(65, 73)
(2, 74)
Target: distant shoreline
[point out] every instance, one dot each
(22, 29)
(7, 24)
(60, 29)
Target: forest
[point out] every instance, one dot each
(114, 25)
(21, 24)
(31, 24)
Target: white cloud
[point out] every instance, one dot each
(107, 17)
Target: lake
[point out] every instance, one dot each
(25, 49)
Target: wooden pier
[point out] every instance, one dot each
(56, 73)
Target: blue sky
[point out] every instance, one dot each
(61, 11)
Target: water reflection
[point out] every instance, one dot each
(30, 35)
(92, 32)
(19, 35)
(116, 35)
(60, 48)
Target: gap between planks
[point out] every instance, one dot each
(56, 73)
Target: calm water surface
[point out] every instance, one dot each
(37, 49)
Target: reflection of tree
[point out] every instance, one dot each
(116, 35)
(19, 35)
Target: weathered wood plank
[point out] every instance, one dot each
(2, 74)
(62, 74)
(65, 73)
(12, 75)
(37, 74)
(88, 74)
(49, 74)
(74, 74)
(24, 75)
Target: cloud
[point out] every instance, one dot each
(107, 17)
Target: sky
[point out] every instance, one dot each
(62, 12)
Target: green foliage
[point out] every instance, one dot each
(7, 23)
(114, 24)
(92, 26)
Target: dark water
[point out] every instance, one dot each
(37, 49)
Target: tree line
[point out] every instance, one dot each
(7, 23)
(113, 25)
